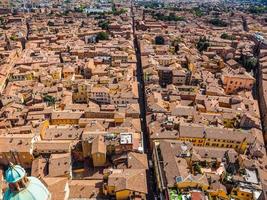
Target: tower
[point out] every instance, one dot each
(21, 187)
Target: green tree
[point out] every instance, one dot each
(152, 5)
(102, 36)
(228, 37)
(218, 22)
(13, 37)
(66, 12)
(12, 4)
(197, 168)
(159, 40)
(257, 9)
(50, 100)
(79, 9)
(203, 44)
(224, 36)
(103, 24)
(1, 20)
(116, 11)
(119, 12)
(250, 63)
(197, 12)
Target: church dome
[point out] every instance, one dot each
(14, 174)
(33, 189)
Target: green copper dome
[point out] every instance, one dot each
(34, 191)
(14, 173)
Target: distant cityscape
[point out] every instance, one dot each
(133, 100)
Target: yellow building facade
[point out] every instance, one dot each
(211, 142)
(242, 194)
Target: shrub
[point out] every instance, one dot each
(103, 24)
(203, 44)
(228, 37)
(218, 22)
(102, 36)
(13, 37)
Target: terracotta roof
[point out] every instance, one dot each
(46, 146)
(66, 115)
(59, 165)
(137, 161)
(173, 166)
(39, 167)
(129, 179)
(57, 186)
(98, 145)
(85, 189)
(63, 133)
(18, 142)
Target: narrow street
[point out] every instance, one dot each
(257, 86)
(151, 179)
